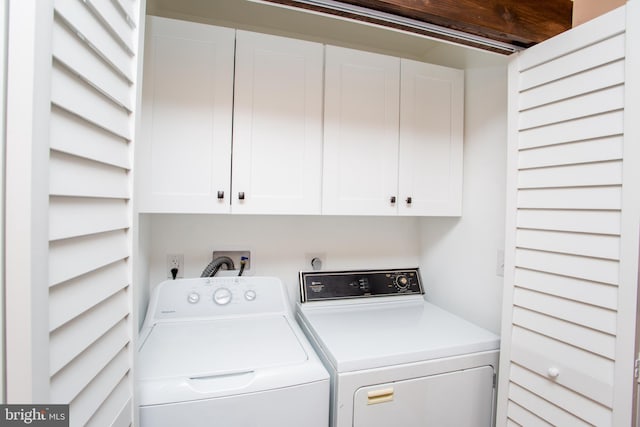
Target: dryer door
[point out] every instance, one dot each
(454, 399)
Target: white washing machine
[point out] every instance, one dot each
(395, 359)
(227, 352)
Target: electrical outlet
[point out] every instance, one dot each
(175, 261)
(236, 257)
(315, 261)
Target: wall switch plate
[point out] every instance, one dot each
(175, 261)
(500, 263)
(236, 257)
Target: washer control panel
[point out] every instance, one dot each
(219, 296)
(330, 285)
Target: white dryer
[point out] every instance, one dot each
(395, 359)
(227, 352)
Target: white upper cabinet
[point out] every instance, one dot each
(431, 135)
(183, 155)
(393, 136)
(233, 122)
(360, 173)
(277, 125)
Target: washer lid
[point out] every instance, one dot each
(364, 336)
(215, 348)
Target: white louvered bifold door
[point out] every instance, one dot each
(93, 97)
(92, 69)
(572, 230)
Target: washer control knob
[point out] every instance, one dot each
(222, 296)
(250, 295)
(402, 282)
(193, 297)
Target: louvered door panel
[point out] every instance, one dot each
(567, 227)
(93, 92)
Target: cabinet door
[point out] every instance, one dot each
(572, 227)
(431, 134)
(277, 128)
(360, 171)
(185, 149)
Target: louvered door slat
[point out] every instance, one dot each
(72, 379)
(118, 402)
(70, 50)
(583, 129)
(582, 314)
(97, 251)
(593, 103)
(74, 217)
(596, 342)
(572, 402)
(74, 176)
(72, 93)
(100, 388)
(79, 18)
(546, 410)
(581, 175)
(523, 417)
(577, 84)
(114, 21)
(583, 372)
(589, 292)
(75, 337)
(72, 135)
(597, 222)
(591, 245)
(80, 294)
(592, 56)
(594, 150)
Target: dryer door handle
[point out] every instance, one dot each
(380, 396)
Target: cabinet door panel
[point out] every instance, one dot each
(187, 103)
(360, 132)
(431, 124)
(277, 130)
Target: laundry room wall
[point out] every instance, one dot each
(457, 256)
(460, 255)
(280, 246)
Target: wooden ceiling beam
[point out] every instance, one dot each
(520, 23)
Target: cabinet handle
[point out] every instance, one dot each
(220, 195)
(392, 199)
(409, 200)
(553, 372)
(241, 195)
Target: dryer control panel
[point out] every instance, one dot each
(331, 285)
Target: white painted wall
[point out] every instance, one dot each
(280, 245)
(3, 99)
(459, 255)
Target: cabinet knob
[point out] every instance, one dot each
(241, 195)
(392, 199)
(220, 195)
(553, 372)
(409, 200)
